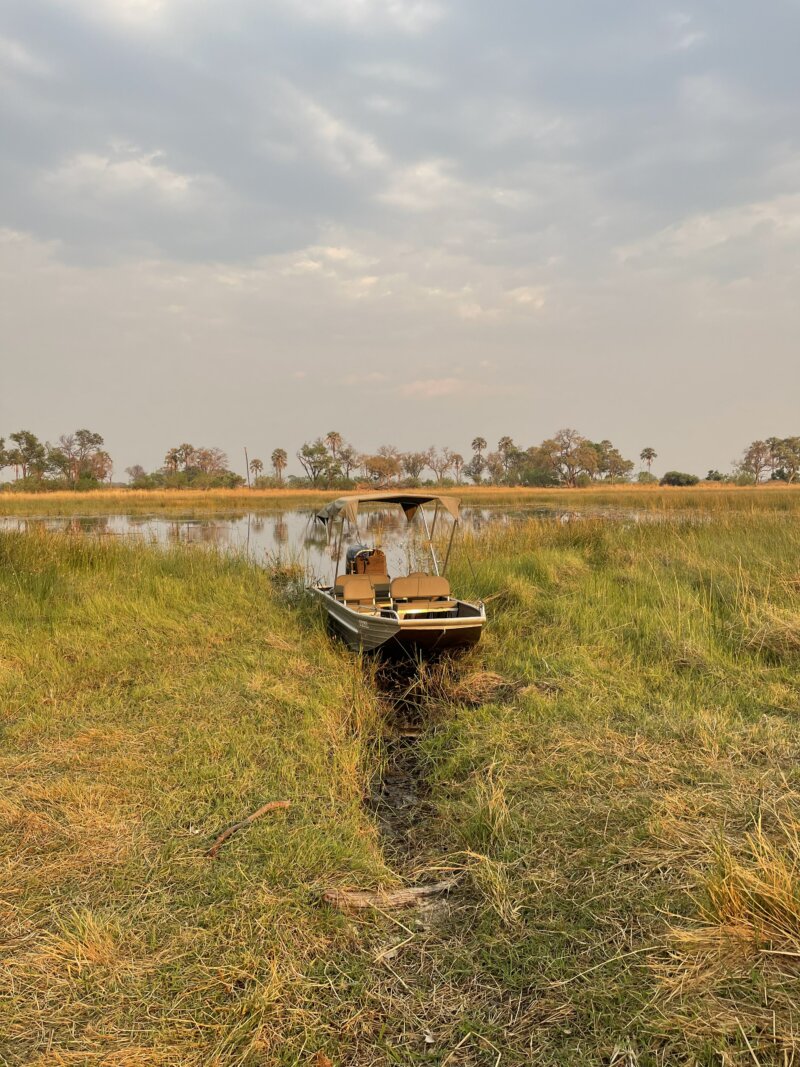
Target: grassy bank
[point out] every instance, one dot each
(613, 775)
(704, 497)
(628, 774)
(148, 701)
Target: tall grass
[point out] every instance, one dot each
(150, 699)
(621, 773)
(612, 774)
(705, 498)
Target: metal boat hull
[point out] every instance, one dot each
(365, 633)
(436, 636)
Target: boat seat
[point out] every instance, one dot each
(380, 583)
(420, 587)
(357, 591)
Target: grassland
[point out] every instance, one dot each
(613, 776)
(704, 497)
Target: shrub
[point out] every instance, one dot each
(679, 478)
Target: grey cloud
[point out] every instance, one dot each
(573, 154)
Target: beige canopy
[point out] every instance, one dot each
(348, 506)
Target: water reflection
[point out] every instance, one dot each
(291, 536)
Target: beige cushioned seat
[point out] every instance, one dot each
(379, 583)
(420, 587)
(357, 590)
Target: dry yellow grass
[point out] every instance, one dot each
(705, 495)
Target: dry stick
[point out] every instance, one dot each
(223, 837)
(355, 899)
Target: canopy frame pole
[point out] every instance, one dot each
(429, 533)
(338, 551)
(449, 546)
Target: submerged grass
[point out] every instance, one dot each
(612, 775)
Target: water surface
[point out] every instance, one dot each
(290, 535)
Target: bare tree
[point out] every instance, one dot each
(414, 463)
(185, 454)
(381, 468)
(756, 460)
(136, 473)
(347, 459)
(440, 462)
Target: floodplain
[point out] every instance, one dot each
(608, 784)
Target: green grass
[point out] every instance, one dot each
(148, 701)
(613, 772)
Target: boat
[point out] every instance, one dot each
(415, 612)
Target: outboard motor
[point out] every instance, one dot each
(363, 560)
(353, 552)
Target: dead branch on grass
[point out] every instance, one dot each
(273, 805)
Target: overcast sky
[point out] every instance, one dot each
(248, 222)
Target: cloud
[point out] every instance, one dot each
(398, 74)
(682, 31)
(351, 184)
(129, 14)
(424, 186)
(332, 139)
(772, 220)
(365, 377)
(529, 296)
(14, 56)
(123, 171)
(434, 388)
(410, 16)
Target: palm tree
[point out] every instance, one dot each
(647, 455)
(479, 446)
(334, 442)
(507, 449)
(458, 465)
(279, 459)
(256, 467)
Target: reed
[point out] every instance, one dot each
(704, 498)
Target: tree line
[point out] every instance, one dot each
(79, 460)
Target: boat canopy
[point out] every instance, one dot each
(347, 506)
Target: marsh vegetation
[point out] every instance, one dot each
(611, 778)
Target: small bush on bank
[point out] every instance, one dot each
(679, 478)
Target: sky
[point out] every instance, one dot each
(250, 222)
